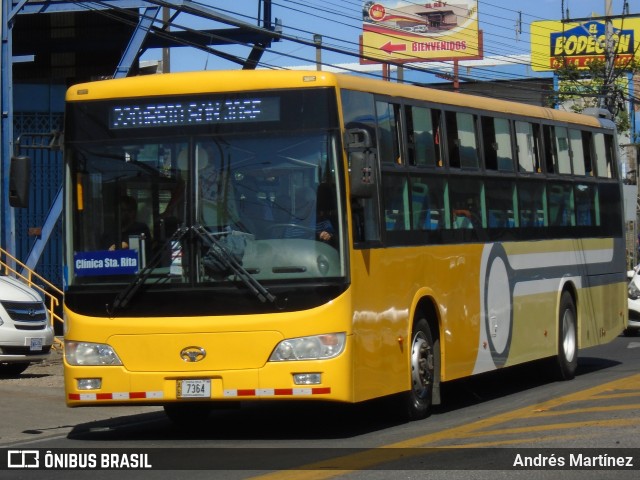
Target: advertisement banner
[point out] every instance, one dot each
(400, 31)
(554, 43)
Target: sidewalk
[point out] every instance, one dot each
(34, 407)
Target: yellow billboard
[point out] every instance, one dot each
(401, 31)
(554, 43)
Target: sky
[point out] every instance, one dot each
(505, 25)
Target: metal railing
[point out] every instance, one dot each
(50, 292)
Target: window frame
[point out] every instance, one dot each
(539, 173)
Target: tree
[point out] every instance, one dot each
(579, 89)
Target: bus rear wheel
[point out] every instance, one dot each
(422, 362)
(567, 358)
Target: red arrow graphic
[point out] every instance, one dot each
(390, 47)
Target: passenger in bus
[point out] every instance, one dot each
(129, 226)
(325, 214)
(466, 215)
(305, 219)
(255, 210)
(217, 198)
(215, 189)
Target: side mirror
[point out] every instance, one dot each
(362, 162)
(19, 178)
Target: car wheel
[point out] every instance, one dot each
(567, 358)
(12, 369)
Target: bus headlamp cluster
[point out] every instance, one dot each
(85, 353)
(316, 347)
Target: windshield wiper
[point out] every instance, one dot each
(124, 297)
(229, 261)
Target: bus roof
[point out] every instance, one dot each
(240, 80)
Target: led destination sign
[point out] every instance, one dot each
(194, 112)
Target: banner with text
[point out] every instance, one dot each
(400, 31)
(554, 43)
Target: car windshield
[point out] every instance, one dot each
(196, 210)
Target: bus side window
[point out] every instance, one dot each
(603, 146)
(423, 126)
(611, 156)
(532, 204)
(395, 195)
(550, 152)
(428, 203)
(496, 135)
(388, 115)
(365, 220)
(587, 149)
(461, 140)
(359, 112)
(501, 204)
(578, 153)
(585, 205)
(527, 146)
(561, 206)
(561, 139)
(419, 205)
(467, 204)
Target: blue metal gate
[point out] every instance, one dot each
(35, 131)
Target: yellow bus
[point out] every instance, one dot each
(287, 235)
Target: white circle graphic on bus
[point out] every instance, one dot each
(498, 308)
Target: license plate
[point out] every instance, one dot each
(35, 344)
(194, 388)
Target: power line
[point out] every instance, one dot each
(338, 47)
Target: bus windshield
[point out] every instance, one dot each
(200, 209)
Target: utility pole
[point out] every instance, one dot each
(608, 95)
(166, 52)
(608, 99)
(317, 39)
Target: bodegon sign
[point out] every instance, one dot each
(554, 44)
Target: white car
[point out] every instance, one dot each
(633, 301)
(26, 334)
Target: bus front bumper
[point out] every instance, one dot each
(328, 380)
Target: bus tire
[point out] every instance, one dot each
(419, 398)
(567, 359)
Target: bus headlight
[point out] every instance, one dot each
(84, 353)
(316, 347)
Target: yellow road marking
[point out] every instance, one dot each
(395, 451)
(546, 427)
(620, 395)
(611, 408)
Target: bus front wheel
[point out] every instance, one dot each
(422, 362)
(567, 338)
